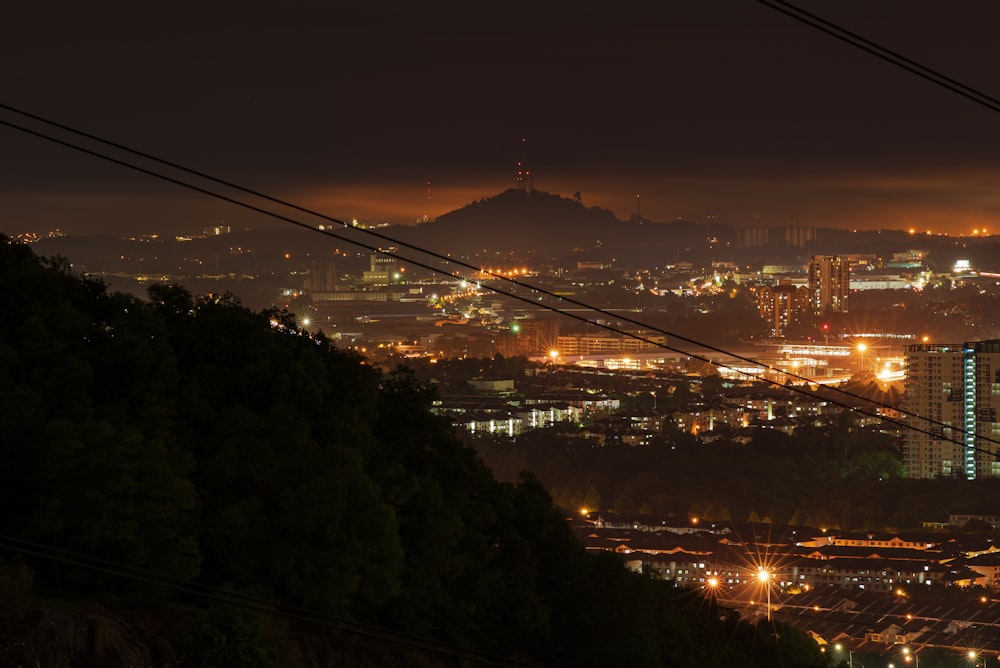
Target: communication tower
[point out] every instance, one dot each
(523, 179)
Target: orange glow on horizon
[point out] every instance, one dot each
(911, 203)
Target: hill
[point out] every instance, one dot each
(542, 227)
(523, 224)
(513, 226)
(187, 459)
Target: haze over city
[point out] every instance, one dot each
(680, 325)
(726, 111)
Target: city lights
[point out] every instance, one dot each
(764, 577)
(554, 416)
(862, 349)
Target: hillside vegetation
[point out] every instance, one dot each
(192, 439)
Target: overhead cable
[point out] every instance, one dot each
(350, 229)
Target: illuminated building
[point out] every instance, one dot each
(782, 305)
(572, 345)
(952, 396)
(829, 283)
(530, 336)
(383, 271)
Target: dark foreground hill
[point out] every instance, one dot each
(207, 485)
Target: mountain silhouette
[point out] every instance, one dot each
(522, 224)
(534, 227)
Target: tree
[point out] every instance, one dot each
(193, 438)
(90, 457)
(277, 423)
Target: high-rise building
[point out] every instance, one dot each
(952, 396)
(800, 237)
(783, 305)
(322, 277)
(829, 284)
(751, 237)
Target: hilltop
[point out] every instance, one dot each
(526, 224)
(541, 226)
(534, 227)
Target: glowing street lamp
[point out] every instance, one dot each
(909, 655)
(862, 347)
(850, 654)
(764, 576)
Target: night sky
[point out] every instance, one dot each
(726, 109)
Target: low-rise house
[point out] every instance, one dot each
(988, 566)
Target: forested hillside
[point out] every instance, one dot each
(835, 476)
(214, 449)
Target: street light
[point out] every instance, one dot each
(908, 653)
(862, 347)
(850, 654)
(765, 578)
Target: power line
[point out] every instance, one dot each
(803, 389)
(918, 69)
(882, 52)
(413, 642)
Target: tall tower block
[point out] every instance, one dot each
(829, 284)
(954, 388)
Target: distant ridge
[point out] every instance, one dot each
(514, 226)
(523, 223)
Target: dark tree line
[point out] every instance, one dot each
(836, 475)
(190, 437)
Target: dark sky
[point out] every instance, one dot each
(724, 108)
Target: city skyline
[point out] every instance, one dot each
(732, 112)
(373, 431)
